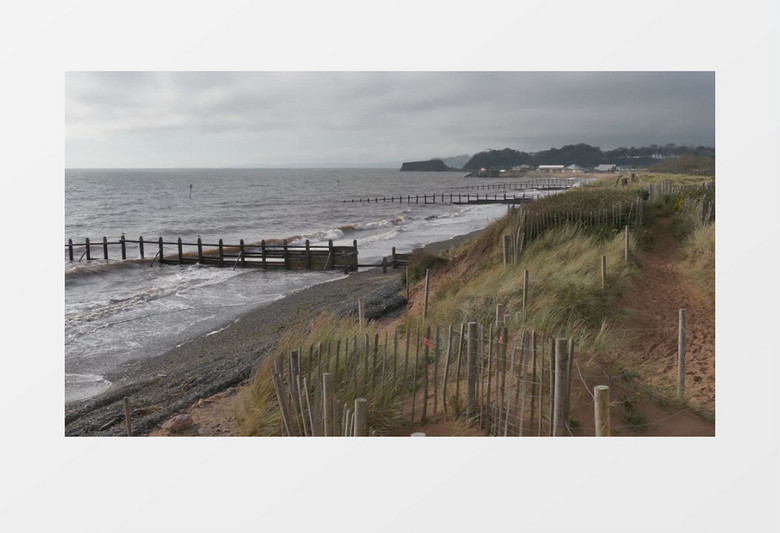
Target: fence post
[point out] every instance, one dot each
(681, 331)
(604, 271)
(561, 385)
(328, 395)
(525, 289)
(499, 315)
(426, 353)
(625, 246)
(427, 281)
(361, 420)
(506, 250)
(471, 370)
(601, 406)
(361, 318)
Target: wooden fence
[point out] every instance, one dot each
(508, 383)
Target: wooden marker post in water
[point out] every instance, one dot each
(681, 332)
(601, 406)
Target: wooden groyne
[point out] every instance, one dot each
(468, 198)
(452, 198)
(268, 256)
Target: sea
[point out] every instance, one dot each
(117, 311)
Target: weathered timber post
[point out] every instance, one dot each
(361, 316)
(160, 244)
(471, 370)
(561, 386)
(361, 420)
(601, 407)
(70, 249)
(426, 343)
(262, 254)
(569, 367)
(181, 254)
(499, 314)
(506, 250)
(330, 260)
(105, 248)
(604, 271)
(242, 252)
(286, 254)
(200, 250)
(355, 249)
(395, 259)
(525, 290)
(221, 253)
(328, 396)
(141, 246)
(408, 283)
(308, 255)
(625, 246)
(436, 373)
(128, 422)
(681, 332)
(123, 246)
(427, 281)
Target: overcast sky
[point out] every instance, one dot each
(332, 119)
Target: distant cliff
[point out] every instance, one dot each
(434, 165)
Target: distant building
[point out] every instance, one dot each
(605, 168)
(551, 169)
(574, 169)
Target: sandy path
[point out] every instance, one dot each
(658, 294)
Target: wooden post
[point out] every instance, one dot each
(414, 372)
(525, 290)
(426, 353)
(286, 254)
(471, 372)
(446, 372)
(262, 254)
(681, 333)
(344, 260)
(128, 422)
(181, 254)
(123, 246)
(625, 246)
(242, 253)
(561, 386)
(384, 265)
(436, 373)
(200, 251)
(457, 367)
(160, 244)
(395, 259)
(427, 281)
(141, 246)
(506, 250)
(330, 261)
(499, 315)
(361, 318)
(601, 407)
(361, 420)
(408, 283)
(221, 254)
(604, 271)
(328, 396)
(569, 367)
(70, 249)
(308, 255)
